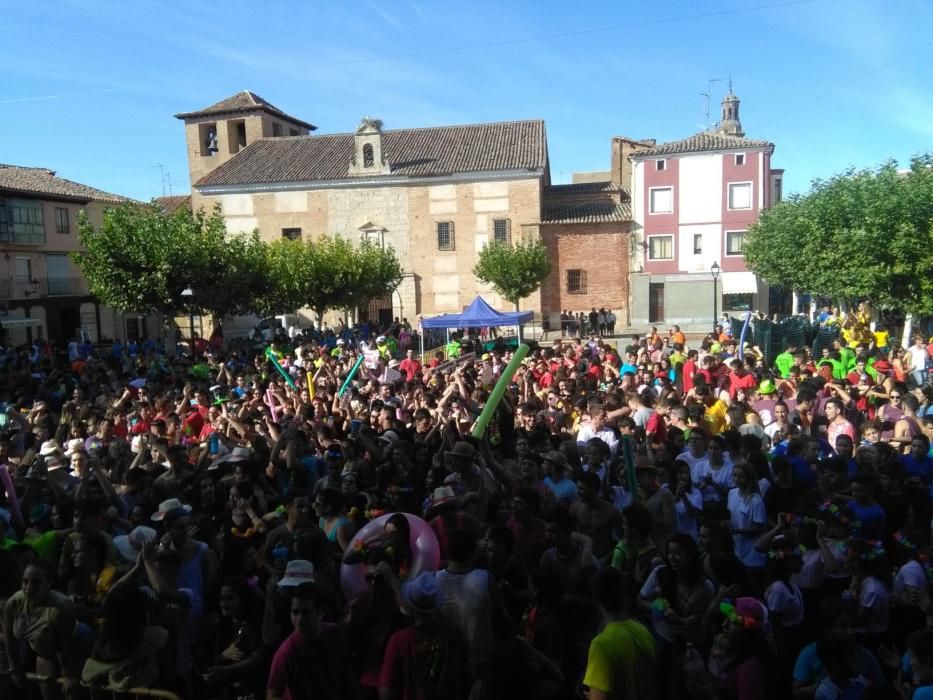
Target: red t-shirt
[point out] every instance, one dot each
(411, 368)
(746, 381)
(423, 661)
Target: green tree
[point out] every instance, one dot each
(514, 271)
(377, 273)
(141, 260)
(860, 235)
(328, 273)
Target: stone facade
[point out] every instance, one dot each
(403, 216)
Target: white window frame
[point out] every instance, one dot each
(725, 243)
(661, 235)
(738, 156)
(651, 191)
(751, 195)
(660, 164)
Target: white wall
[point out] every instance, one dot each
(700, 189)
(712, 241)
(638, 212)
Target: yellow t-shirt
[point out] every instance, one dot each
(881, 339)
(621, 661)
(715, 417)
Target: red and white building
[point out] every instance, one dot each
(692, 203)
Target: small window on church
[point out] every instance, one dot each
(740, 159)
(291, 234)
(368, 158)
(445, 235)
(502, 231)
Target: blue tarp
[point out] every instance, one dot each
(479, 314)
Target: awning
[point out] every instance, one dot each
(20, 322)
(739, 283)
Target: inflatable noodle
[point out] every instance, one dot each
(425, 552)
(748, 318)
(285, 375)
(350, 376)
(499, 391)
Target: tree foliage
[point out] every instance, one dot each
(860, 235)
(514, 271)
(328, 273)
(141, 260)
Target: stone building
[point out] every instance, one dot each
(435, 194)
(42, 292)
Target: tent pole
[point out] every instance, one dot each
(448, 343)
(421, 338)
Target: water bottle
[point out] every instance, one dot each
(213, 443)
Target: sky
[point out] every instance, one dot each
(89, 87)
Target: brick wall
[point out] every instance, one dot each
(602, 252)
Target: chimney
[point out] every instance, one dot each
(622, 148)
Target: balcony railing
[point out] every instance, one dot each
(66, 286)
(36, 289)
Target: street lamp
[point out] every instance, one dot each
(188, 293)
(714, 271)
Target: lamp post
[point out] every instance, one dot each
(714, 271)
(188, 294)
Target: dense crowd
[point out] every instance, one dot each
(315, 519)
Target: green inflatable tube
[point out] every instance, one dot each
(285, 375)
(479, 430)
(350, 376)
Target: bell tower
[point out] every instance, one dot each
(217, 133)
(730, 124)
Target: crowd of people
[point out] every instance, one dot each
(662, 519)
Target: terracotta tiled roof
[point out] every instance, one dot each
(703, 141)
(592, 213)
(243, 101)
(586, 203)
(583, 188)
(41, 181)
(433, 151)
(173, 203)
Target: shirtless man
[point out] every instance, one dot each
(593, 516)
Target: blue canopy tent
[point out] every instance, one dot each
(478, 314)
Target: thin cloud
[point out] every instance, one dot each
(385, 14)
(59, 96)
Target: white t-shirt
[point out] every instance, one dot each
(918, 357)
(687, 522)
(910, 575)
(874, 596)
(812, 572)
(722, 476)
(785, 599)
(744, 513)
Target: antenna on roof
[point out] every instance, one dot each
(161, 175)
(168, 176)
(709, 91)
